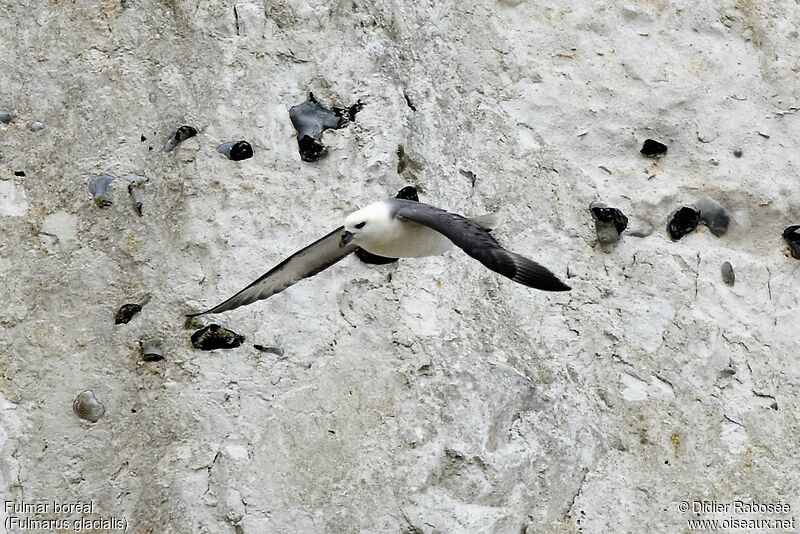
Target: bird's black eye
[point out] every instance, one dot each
(361, 225)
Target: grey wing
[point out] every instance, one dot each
(479, 244)
(313, 259)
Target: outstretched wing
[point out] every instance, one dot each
(316, 257)
(479, 244)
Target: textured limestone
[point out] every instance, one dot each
(423, 396)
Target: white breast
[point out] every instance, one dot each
(404, 239)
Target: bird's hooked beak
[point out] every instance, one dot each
(346, 238)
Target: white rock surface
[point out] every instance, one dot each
(428, 396)
(13, 202)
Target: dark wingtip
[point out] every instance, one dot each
(561, 286)
(550, 284)
(197, 314)
(531, 274)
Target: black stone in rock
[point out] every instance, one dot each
(728, 276)
(611, 215)
(683, 222)
(653, 148)
(181, 134)
(792, 236)
(126, 313)
(241, 150)
(215, 336)
(713, 215)
(311, 119)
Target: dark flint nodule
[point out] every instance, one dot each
(609, 223)
(99, 189)
(311, 118)
(236, 151)
(653, 148)
(215, 336)
(181, 134)
(6, 117)
(409, 192)
(241, 150)
(136, 191)
(126, 313)
(713, 215)
(792, 236)
(728, 275)
(87, 407)
(151, 350)
(683, 222)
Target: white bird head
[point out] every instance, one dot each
(367, 224)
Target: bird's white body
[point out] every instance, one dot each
(386, 235)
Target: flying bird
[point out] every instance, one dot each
(397, 228)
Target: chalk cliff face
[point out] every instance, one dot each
(427, 395)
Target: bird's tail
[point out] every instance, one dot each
(489, 221)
